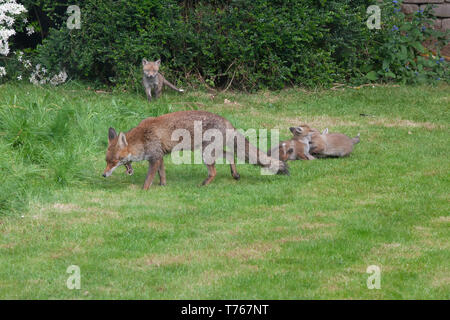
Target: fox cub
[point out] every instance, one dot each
(332, 144)
(298, 147)
(153, 80)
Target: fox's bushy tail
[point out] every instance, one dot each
(171, 86)
(258, 157)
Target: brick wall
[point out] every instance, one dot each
(441, 11)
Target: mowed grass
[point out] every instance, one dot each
(310, 235)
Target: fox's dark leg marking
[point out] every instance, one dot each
(229, 156)
(211, 174)
(234, 172)
(152, 168)
(162, 174)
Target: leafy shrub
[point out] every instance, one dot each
(401, 55)
(240, 44)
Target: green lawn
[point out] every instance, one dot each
(310, 235)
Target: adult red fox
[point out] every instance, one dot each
(153, 138)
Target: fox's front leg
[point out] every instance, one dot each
(302, 156)
(148, 92)
(153, 166)
(162, 174)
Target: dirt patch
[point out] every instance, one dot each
(389, 123)
(322, 122)
(65, 207)
(7, 245)
(442, 219)
(255, 251)
(310, 226)
(393, 251)
(70, 207)
(165, 260)
(441, 281)
(293, 239)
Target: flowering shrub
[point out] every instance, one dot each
(233, 43)
(9, 10)
(401, 56)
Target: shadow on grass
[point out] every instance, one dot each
(188, 176)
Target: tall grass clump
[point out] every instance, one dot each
(51, 137)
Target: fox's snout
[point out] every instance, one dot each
(107, 173)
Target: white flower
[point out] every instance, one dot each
(59, 78)
(2, 72)
(8, 10)
(27, 64)
(19, 56)
(19, 78)
(30, 30)
(5, 34)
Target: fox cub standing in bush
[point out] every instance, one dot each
(153, 80)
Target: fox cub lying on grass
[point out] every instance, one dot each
(307, 141)
(153, 80)
(298, 147)
(332, 144)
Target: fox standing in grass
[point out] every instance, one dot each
(153, 80)
(152, 139)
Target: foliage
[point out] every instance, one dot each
(242, 44)
(401, 55)
(246, 45)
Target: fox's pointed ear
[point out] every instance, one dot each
(325, 131)
(144, 62)
(122, 140)
(111, 134)
(158, 62)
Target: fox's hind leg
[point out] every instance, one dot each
(211, 174)
(230, 158)
(162, 174)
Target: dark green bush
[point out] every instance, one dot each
(241, 44)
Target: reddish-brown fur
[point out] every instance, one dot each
(152, 139)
